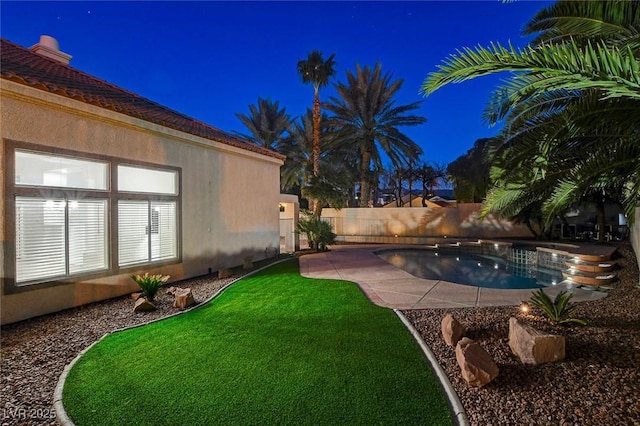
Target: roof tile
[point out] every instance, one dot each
(23, 66)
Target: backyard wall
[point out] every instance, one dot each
(412, 225)
(228, 195)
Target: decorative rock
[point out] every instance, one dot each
(143, 305)
(452, 330)
(247, 262)
(534, 346)
(475, 363)
(184, 298)
(136, 296)
(224, 273)
(171, 291)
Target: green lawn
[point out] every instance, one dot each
(275, 348)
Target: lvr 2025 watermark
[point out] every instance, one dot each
(27, 413)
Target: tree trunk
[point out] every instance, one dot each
(317, 208)
(564, 221)
(410, 176)
(364, 179)
(602, 222)
(530, 227)
(316, 148)
(316, 134)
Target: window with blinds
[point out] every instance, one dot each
(58, 238)
(147, 231)
(64, 206)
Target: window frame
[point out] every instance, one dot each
(112, 195)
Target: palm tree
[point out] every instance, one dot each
(317, 72)
(572, 106)
(430, 176)
(267, 124)
(368, 120)
(332, 186)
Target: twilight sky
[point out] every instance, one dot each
(211, 59)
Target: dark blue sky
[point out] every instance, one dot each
(210, 60)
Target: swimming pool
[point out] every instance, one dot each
(470, 269)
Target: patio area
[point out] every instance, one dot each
(389, 286)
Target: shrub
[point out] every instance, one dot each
(559, 310)
(149, 284)
(318, 232)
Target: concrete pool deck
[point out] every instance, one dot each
(389, 286)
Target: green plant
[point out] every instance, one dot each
(559, 310)
(150, 284)
(318, 232)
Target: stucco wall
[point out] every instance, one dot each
(355, 224)
(229, 195)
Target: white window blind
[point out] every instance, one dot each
(40, 239)
(164, 239)
(56, 238)
(88, 244)
(147, 231)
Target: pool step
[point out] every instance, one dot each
(588, 278)
(587, 266)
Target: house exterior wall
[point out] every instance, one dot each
(229, 196)
(408, 225)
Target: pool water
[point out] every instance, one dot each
(470, 269)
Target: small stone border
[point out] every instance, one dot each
(459, 415)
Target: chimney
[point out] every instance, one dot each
(48, 47)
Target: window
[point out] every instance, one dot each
(67, 215)
(148, 181)
(58, 238)
(147, 229)
(38, 169)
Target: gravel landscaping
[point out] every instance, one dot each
(35, 352)
(598, 383)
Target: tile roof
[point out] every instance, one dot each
(23, 66)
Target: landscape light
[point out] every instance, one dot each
(524, 308)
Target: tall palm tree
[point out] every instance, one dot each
(572, 106)
(368, 120)
(332, 186)
(267, 124)
(316, 71)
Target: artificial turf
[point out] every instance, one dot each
(274, 348)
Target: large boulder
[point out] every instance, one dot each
(224, 273)
(183, 298)
(452, 330)
(533, 346)
(247, 262)
(143, 305)
(475, 363)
